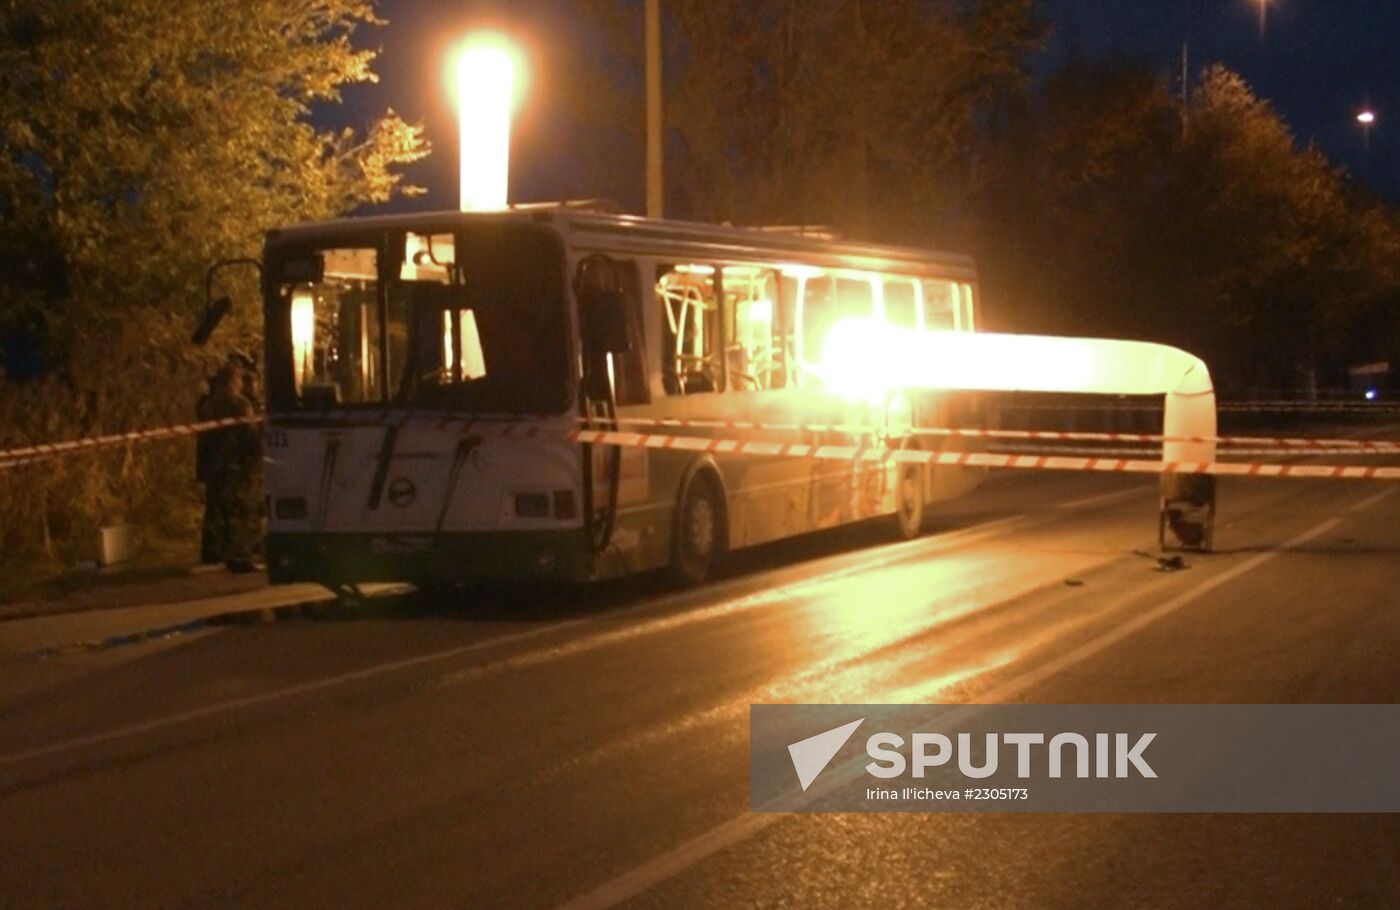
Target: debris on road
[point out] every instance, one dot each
(1171, 564)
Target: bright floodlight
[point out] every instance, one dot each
(485, 80)
(1366, 117)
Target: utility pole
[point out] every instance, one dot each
(1185, 83)
(655, 186)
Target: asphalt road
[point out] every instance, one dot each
(518, 749)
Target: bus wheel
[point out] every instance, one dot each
(909, 500)
(699, 535)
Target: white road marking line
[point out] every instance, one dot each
(1372, 500)
(280, 694)
(672, 863)
(759, 598)
(1103, 497)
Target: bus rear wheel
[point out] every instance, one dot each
(909, 500)
(699, 532)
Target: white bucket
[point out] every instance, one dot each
(116, 545)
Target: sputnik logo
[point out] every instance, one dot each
(810, 756)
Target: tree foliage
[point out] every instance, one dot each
(144, 138)
(139, 141)
(1115, 212)
(852, 113)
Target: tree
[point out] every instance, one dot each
(139, 141)
(1114, 212)
(852, 113)
(1277, 255)
(144, 138)
(1065, 216)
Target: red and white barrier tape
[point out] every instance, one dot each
(1346, 406)
(1386, 408)
(1224, 454)
(28, 454)
(868, 453)
(1365, 445)
(882, 454)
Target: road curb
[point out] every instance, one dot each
(308, 604)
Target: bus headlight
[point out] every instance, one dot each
(531, 505)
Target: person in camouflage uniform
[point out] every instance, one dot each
(211, 545)
(234, 462)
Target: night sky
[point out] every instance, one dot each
(1319, 63)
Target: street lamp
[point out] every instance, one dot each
(484, 75)
(1367, 119)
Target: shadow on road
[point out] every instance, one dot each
(532, 602)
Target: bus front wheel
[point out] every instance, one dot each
(699, 531)
(909, 500)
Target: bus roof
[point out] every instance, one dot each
(603, 231)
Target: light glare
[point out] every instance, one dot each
(485, 78)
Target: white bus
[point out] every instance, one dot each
(424, 372)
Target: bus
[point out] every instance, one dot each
(424, 374)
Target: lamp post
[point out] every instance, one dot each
(1367, 119)
(655, 186)
(485, 79)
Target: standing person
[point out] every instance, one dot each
(252, 390)
(236, 456)
(211, 546)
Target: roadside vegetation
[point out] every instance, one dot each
(141, 141)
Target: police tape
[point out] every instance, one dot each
(881, 454)
(11, 458)
(881, 451)
(1140, 452)
(1379, 409)
(1313, 406)
(1313, 446)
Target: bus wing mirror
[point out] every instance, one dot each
(214, 313)
(215, 309)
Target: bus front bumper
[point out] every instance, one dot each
(341, 558)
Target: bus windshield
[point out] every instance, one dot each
(472, 320)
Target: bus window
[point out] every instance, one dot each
(751, 322)
(448, 341)
(335, 332)
(825, 303)
(854, 298)
(629, 367)
(902, 303)
(785, 337)
(427, 257)
(496, 339)
(969, 321)
(816, 314)
(690, 329)
(940, 305)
